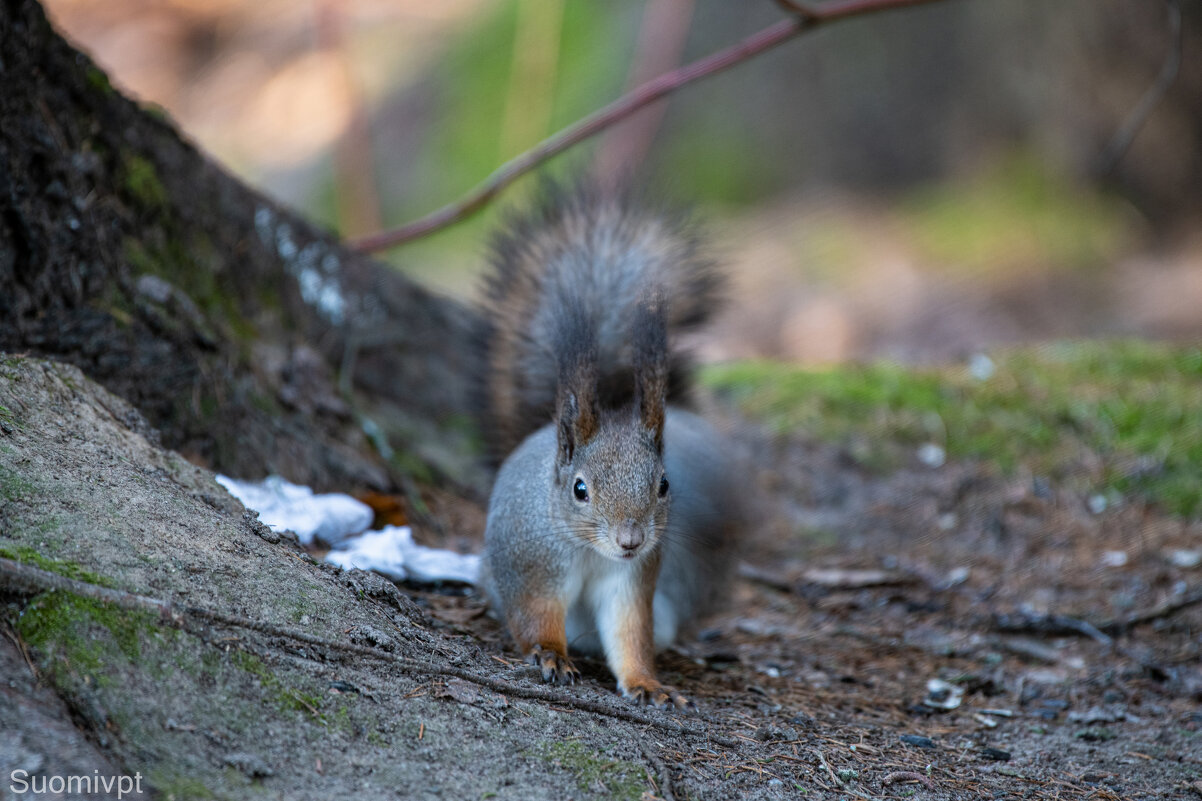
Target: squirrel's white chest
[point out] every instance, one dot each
(597, 599)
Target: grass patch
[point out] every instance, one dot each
(1100, 416)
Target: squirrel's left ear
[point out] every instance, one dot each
(576, 424)
(651, 362)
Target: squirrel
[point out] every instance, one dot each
(612, 519)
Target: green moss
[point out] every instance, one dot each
(1100, 416)
(195, 268)
(594, 773)
(142, 184)
(82, 640)
(20, 553)
(155, 110)
(98, 80)
(13, 485)
(175, 786)
(6, 415)
(285, 697)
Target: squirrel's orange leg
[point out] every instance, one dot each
(630, 650)
(537, 624)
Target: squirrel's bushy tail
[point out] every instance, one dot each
(581, 263)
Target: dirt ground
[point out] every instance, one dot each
(1069, 642)
(258, 672)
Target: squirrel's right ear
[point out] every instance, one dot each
(577, 425)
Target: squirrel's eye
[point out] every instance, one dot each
(663, 486)
(580, 490)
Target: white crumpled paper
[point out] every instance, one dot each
(335, 519)
(329, 519)
(392, 552)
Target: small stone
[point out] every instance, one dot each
(250, 764)
(803, 720)
(1181, 557)
(932, 455)
(943, 695)
(981, 367)
(996, 754)
(765, 734)
(1098, 714)
(259, 527)
(1099, 734)
(918, 741)
(370, 635)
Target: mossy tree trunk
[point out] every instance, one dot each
(251, 340)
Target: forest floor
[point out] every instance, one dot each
(905, 625)
(1063, 624)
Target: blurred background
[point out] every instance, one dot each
(914, 186)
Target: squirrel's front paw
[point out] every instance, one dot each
(656, 694)
(556, 668)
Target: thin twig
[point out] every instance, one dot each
(1171, 607)
(1104, 632)
(803, 18)
(908, 776)
(26, 579)
(1049, 624)
(20, 645)
(1121, 141)
(844, 785)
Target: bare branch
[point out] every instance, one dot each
(803, 18)
(1121, 141)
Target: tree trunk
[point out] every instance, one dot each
(253, 342)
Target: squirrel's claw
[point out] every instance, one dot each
(556, 668)
(660, 697)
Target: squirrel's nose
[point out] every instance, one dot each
(629, 536)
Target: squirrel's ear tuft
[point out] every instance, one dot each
(651, 362)
(576, 425)
(576, 414)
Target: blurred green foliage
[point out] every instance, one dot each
(1120, 416)
(466, 138)
(1018, 213)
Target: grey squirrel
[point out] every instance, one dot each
(611, 521)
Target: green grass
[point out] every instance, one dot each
(1098, 416)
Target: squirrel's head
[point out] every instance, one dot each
(612, 488)
(609, 467)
